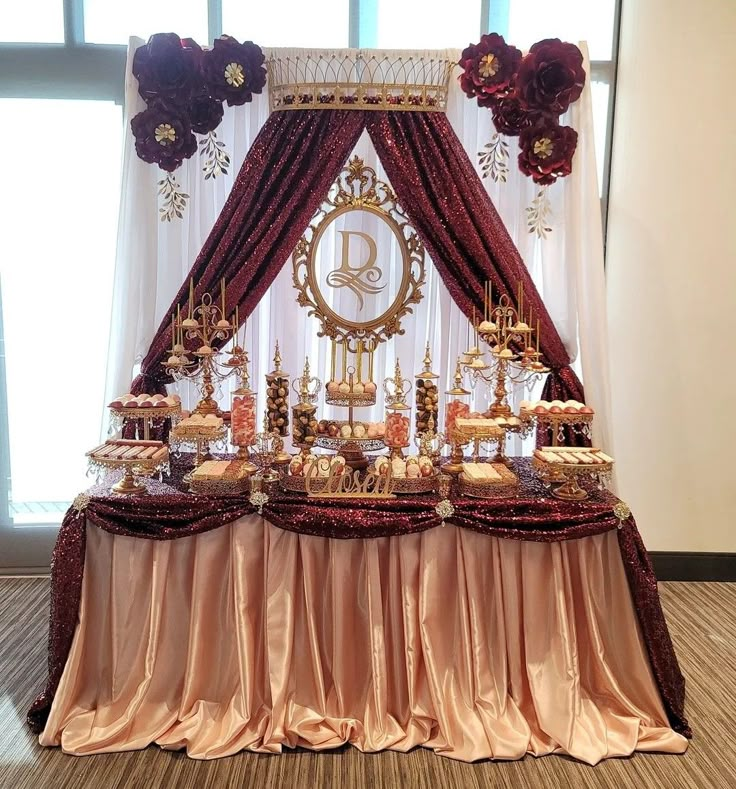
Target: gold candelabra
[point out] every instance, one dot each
(204, 324)
(514, 349)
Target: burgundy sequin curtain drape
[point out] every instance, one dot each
(284, 179)
(451, 211)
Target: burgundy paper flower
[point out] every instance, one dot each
(551, 76)
(167, 67)
(205, 113)
(163, 136)
(547, 150)
(234, 71)
(509, 117)
(488, 68)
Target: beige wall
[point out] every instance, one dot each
(671, 271)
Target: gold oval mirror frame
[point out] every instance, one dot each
(357, 189)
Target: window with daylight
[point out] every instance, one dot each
(57, 266)
(62, 68)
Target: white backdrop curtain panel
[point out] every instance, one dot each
(154, 258)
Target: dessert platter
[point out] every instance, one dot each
(147, 408)
(411, 475)
(201, 432)
(567, 465)
(134, 457)
(487, 481)
(317, 468)
(221, 478)
(556, 415)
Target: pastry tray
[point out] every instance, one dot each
(147, 412)
(486, 489)
(351, 444)
(348, 400)
(563, 419)
(409, 485)
(298, 483)
(220, 487)
(579, 468)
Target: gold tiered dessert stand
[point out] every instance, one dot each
(352, 449)
(147, 415)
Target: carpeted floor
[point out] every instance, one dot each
(702, 619)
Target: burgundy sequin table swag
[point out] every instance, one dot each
(534, 517)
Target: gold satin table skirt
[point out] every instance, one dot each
(251, 637)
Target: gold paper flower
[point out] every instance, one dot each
(164, 134)
(543, 147)
(234, 75)
(489, 66)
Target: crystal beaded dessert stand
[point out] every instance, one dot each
(570, 489)
(267, 452)
(128, 485)
(146, 415)
(202, 442)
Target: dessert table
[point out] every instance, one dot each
(513, 626)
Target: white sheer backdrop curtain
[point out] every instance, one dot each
(154, 258)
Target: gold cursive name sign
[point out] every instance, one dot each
(348, 484)
(361, 279)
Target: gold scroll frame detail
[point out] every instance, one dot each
(358, 188)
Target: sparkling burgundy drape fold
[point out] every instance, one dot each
(451, 211)
(284, 178)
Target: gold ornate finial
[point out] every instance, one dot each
(427, 362)
(277, 358)
(396, 390)
(304, 383)
(458, 390)
(398, 378)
